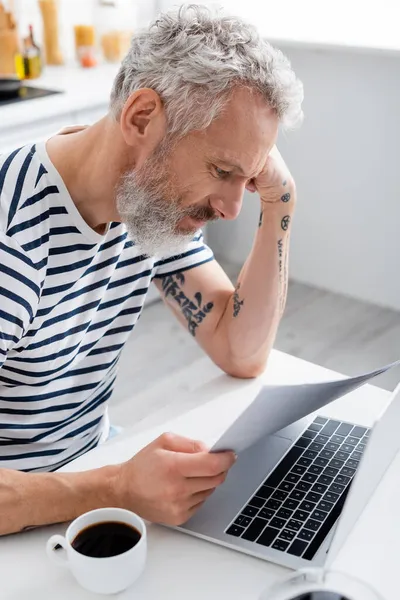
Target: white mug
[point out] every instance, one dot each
(108, 575)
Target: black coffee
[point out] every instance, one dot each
(320, 596)
(109, 538)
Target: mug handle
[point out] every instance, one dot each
(60, 559)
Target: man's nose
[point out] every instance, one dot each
(228, 205)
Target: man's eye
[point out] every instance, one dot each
(221, 173)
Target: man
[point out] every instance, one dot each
(89, 219)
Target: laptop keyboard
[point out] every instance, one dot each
(299, 502)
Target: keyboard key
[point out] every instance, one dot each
(360, 447)
(314, 427)
(331, 497)
(266, 513)
(257, 501)
(292, 477)
(325, 480)
(280, 495)
(313, 525)
(254, 530)
(321, 462)
(358, 432)
(291, 504)
(319, 515)
(306, 534)
(342, 455)
(235, 530)
(303, 442)
(309, 434)
(330, 427)
(348, 472)
(297, 548)
(297, 495)
(286, 486)
(332, 446)
(308, 506)
(250, 511)
(310, 477)
(347, 448)
(324, 505)
(316, 446)
(315, 469)
(321, 439)
(319, 488)
(336, 463)
(353, 464)
(330, 471)
(304, 462)
(344, 429)
(310, 454)
(337, 488)
(353, 441)
(284, 513)
(278, 523)
(295, 525)
(243, 521)
(286, 534)
(325, 453)
(267, 536)
(313, 497)
(274, 504)
(283, 467)
(342, 479)
(303, 486)
(356, 455)
(320, 420)
(337, 439)
(299, 470)
(367, 433)
(265, 492)
(280, 545)
(301, 515)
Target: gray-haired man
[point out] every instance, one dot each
(89, 219)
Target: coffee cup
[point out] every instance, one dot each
(105, 549)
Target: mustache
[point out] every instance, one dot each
(202, 213)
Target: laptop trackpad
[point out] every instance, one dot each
(250, 470)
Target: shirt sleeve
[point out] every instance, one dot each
(19, 294)
(196, 254)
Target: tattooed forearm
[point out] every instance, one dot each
(280, 254)
(237, 303)
(283, 263)
(194, 311)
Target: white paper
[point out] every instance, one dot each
(275, 407)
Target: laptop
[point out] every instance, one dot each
(294, 496)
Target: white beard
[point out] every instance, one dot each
(150, 219)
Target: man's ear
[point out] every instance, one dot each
(143, 119)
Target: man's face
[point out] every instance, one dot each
(201, 178)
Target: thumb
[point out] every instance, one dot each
(178, 443)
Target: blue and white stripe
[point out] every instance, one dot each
(69, 299)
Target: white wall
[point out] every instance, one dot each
(346, 161)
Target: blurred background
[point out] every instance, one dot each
(58, 60)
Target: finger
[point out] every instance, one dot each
(201, 484)
(199, 498)
(205, 464)
(178, 443)
(250, 186)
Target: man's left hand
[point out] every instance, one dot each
(275, 183)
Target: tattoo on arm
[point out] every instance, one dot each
(194, 311)
(285, 223)
(285, 197)
(283, 263)
(237, 303)
(284, 182)
(261, 218)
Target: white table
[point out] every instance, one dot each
(181, 567)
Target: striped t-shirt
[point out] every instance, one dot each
(69, 298)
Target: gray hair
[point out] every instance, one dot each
(194, 58)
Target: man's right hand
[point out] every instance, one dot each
(171, 478)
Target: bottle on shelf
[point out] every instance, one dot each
(32, 57)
